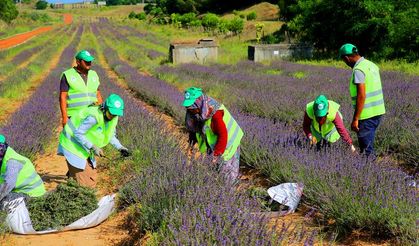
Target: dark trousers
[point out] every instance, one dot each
(366, 134)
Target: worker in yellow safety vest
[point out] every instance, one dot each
(367, 96)
(323, 123)
(17, 174)
(215, 130)
(84, 136)
(79, 87)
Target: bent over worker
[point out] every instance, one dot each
(211, 125)
(17, 173)
(323, 123)
(367, 96)
(79, 86)
(84, 135)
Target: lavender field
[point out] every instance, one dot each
(180, 200)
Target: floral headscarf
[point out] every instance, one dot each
(207, 106)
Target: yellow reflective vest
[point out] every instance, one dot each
(80, 94)
(28, 181)
(234, 135)
(99, 135)
(374, 101)
(328, 130)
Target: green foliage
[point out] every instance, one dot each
(61, 207)
(383, 29)
(4, 228)
(251, 16)
(8, 11)
(41, 4)
(36, 16)
(139, 16)
(236, 25)
(210, 21)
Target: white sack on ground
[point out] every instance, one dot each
(19, 221)
(288, 194)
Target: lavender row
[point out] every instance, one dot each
(284, 156)
(154, 91)
(18, 80)
(29, 129)
(173, 192)
(282, 97)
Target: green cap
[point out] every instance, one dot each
(115, 105)
(191, 94)
(85, 56)
(320, 106)
(2, 138)
(347, 49)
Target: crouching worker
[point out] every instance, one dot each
(84, 135)
(17, 174)
(211, 125)
(323, 123)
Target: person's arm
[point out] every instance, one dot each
(116, 143)
(340, 127)
(10, 177)
(219, 128)
(80, 132)
(306, 125)
(99, 97)
(359, 81)
(64, 87)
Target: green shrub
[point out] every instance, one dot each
(8, 11)
(141, 16)
(41, 4)
(3, 226)
(132, 15)
(236, 25)
(148, 7)
(251, 16)
(210, 21)
(223, 26)
(36, 16)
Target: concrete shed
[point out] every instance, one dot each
(202, 51)
(267, 52)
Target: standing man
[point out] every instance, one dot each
(17, 173)
(323, 123)
(84, 136)
(211, 125)
(79, 86)
(367, 96)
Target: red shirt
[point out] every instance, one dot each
(219, 128)
(340, 127)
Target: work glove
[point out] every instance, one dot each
(97, 151)
(353, 150)
(313, 140)
(125, 152)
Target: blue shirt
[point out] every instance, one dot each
(13, 168)
(80, 136)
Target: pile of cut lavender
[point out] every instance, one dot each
(61, 207)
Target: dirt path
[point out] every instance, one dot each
(52, 169)
(23, 37)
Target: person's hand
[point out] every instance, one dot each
(215, 160)
(354, 125)
(313, 140)
(125, 152)
(97, 151)
(353, 150)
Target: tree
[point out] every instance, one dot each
(41, 4)
(382, 28)
(8, 11)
